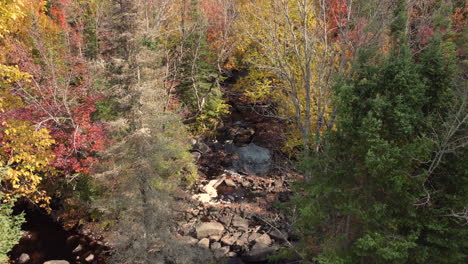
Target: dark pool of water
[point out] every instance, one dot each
(46, 239)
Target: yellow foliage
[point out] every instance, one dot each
(10, 12)
(25, 157)
(289, 60)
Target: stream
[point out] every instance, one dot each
(46, 239)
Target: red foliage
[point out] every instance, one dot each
(60, 96)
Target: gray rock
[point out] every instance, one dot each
(228, 240)
(221, 252)
(281, 236)
(253, 236)
(243, 239)
(57, 262)
(259, 253)
(204, 243)
(253, 159)
(216, 245)
(209, 229)
(240, 223)
(23, 258)
(201, 147)
(226, 219)
(229, 147)
(189, 240)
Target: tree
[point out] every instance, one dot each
(288, 50)
(59, 96)
(372, 196)
(10, 229)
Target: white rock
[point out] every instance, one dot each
(203, 197)
(209, 189)
(77, 249)
(89, 258)
(23, 258)
(204, 243)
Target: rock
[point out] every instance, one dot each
(188, 240)
(208, 229)
(240, 223)
(23, 258)
(215, 238)
(231, 254)
(243, 240)
(196, 155)
(253, 236)
(216, 245)
(201, 147)
(230, 182)
(229, 147)
(204, 243)
(259, 253)
(221, 252)
(226, 219)
(228, 239)
(263, 239)
(211, 191)
(253, 159)
(281, 236)
(246, 184)
(89, 258)
(57, 262)
(77, 249)
(202, 197)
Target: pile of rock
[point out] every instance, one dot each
(233, 236)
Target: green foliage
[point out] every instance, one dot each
(371, 196)
(10, 229)
(199, 88)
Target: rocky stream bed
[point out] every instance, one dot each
(229, 210)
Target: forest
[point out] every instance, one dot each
(233, 131)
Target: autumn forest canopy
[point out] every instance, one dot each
(234, 131)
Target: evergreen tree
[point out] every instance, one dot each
(374, 195)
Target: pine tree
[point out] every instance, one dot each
(374, 195)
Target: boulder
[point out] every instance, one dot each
(209, 229)
(253, 159)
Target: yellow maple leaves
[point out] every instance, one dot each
(10, 12)
(25, 158)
